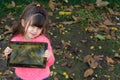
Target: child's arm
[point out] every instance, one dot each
(7, 51)
(51, 58)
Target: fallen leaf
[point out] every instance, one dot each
(86, 58)
(111, 11)
(65, 43)
(1, 73)
(117, 55)
(83, 41)
(3, 21)
(65, 1)
(64, 64)
(104, 28)
(91, 7)
(98, 57)
(110, 60)
(50, 13)
(108, 22)
(51, 5)
(68, 22)
(100, 37)
(107, 76)
(92, 47)
(8, 28)
(10, 15)
(92, 63)
(55, 78)
(65, 13)
(13, 4)
(76, 18)
(88, 72)
(101, 3)
(113, 35)
(111, 68)
(91, 29)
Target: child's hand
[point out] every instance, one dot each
(7, 51)
(47, 54)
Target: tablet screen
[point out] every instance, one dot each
(27, 54)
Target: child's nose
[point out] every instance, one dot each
(35, 30)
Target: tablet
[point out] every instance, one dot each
(27, 54)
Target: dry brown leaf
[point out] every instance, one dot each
(103, 26)
(117, 13)
(8, 28)
(117, 55)
(68, 22)
(101, 3)
(88, 72)
(65, 44)
(50, 13)
(110, 60)
(91, 7)
(13, 4)
(76, 6)
(86, 58)
(113, 35)
(83, 41)
(55, 78)
(68, 55)
(76, 18)
(111, 68)
(108, 22)
(52, 5)
(111, 11)
(53, 24)
(108, 36)
(3, 21)
(92, 29)
(92, 63)
(10, 15)
(98, 57)
(64, 64)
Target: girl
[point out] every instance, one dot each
(32, 27)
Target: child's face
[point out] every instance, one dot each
(32, 32)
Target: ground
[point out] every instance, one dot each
(85, 40)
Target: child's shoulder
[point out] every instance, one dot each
(42, 38)
(16, 37)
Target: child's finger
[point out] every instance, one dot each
(47, 54)
(7, 51)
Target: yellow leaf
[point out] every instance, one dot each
(117, 55)
(1, 73)
(88, 72)
(92, 47)
(65, 13)
(114, 28)
(107, 76)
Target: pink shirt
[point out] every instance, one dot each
(35, 73)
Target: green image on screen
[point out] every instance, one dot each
(27, 54)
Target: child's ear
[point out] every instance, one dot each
(23, 22)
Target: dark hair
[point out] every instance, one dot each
(39, 18)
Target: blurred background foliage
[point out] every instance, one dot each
(5, 5)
